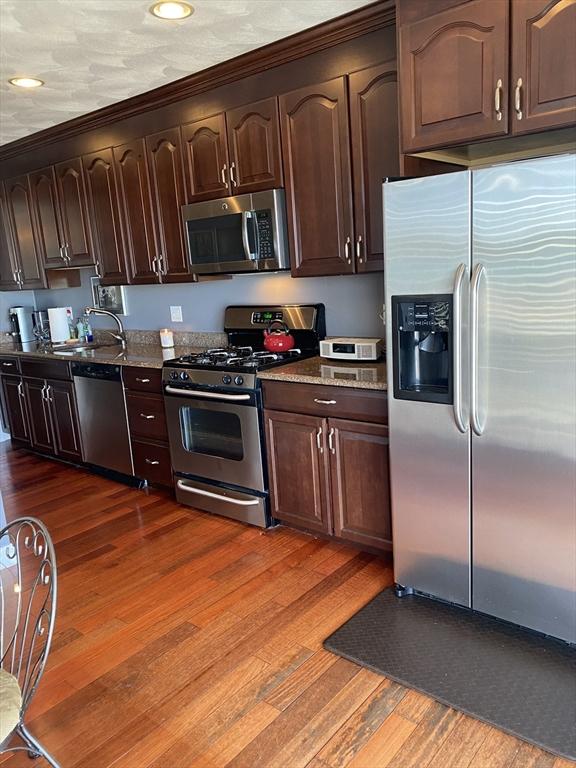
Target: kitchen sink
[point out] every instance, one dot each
(80, 347)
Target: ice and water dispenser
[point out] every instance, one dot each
(422, 339)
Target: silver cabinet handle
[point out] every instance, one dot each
(457, 352)
(15, 276)
(147, 416)
(164, 263)
(498, 100)
(97, 268)
(203, 395)
(62, 253)
(223, 175)
(155, 265)
(359, 249)
(319, 440)
(518, 99)
(20, 278)
(8, 365)
(20, 389)
(331, 440)
(233, 175)
(151, 462)
(347, 245)
(48, 393)
(143, 381)
(477, 274)
(200, 492)
(43, 392)
(324, 402)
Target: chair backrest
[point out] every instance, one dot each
(28, 592)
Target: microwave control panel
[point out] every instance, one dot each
(265, 234)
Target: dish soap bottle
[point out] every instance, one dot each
(88, 329)
(81, 330)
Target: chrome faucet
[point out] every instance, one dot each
(121, 335)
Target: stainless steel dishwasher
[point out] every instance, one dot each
(102, 414)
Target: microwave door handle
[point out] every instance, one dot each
(245, 241)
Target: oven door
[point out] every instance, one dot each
(216, 436)
(221, 235)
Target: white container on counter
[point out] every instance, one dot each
(166, 338)
(58, 320)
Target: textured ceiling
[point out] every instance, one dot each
(92, 53)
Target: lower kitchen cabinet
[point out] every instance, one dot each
(16, 408)
(53, 418)
(41, 435)
(330, 474)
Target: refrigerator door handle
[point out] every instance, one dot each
(477, 274)
(457, 352)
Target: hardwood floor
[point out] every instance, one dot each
(185, 640)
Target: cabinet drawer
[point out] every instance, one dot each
(324, 400)
(142, 379)
(9, 364)
(152, 462)
(146, 416)
(45, 369)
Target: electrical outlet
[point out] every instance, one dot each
(176, 314)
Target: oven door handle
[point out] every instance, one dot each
(238, 502)
(202, 395)
(245, 242)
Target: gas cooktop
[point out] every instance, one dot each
(236, 359)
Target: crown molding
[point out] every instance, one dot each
(326, 35)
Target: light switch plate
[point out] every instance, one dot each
(176, 314)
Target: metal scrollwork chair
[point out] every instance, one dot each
(28, 589)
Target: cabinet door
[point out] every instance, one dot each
(73, 212)
(105, 217)
(254, 146)
(207, 173)
(360, 482)
(7, 267)
(136, 211)
(46, 217)
(298, 468)
(375, 155)
(167, 182)
(543, 64)
(26, 256)
(315, 144)
(16, 410)
(454, 75)
(62, 404)
(41, 435)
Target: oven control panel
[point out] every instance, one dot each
(188, 379)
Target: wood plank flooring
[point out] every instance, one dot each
(185, 640)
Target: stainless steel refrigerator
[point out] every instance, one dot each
(480, 274)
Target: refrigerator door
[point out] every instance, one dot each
(427, 252)
(524, 457)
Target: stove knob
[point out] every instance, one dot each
(173, 375)
(239, 380)
(184, 376)
(226, 379)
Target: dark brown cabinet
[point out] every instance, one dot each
(543, 76)
(164, 153)
(317, 171)
(328, 473)
(104, 217)
(16, 408)
(74, 228)
(47, 217)
(53, 417)
(233, 152)
(27, 268)
(373, 95)
(8, 279)
(453, 73)
(41, 433)
(136, 212)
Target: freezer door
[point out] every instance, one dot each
(427, 252)
(524, 444)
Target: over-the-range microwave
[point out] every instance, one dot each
(243, 233)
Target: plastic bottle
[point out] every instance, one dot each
(80, 329)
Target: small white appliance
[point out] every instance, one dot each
(351, 349)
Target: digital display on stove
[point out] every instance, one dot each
(265, 318)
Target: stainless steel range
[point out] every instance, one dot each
(214, 411)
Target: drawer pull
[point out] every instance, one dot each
(150, 461)
(7, 365)
(331, 440)
(324, 402)
(143, 381)
(147, 416)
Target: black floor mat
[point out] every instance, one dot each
(512, 678)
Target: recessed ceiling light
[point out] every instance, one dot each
(174, 10)
(26, 82)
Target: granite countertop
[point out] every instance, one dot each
(318, 370)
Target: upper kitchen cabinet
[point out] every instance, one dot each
(374, 132)
(164, 153)
(233, 152)
(453, 72)
(104, 217)
(317, 172)
(136, 211)
(47, 217)
(543, 64)
(27, 267)
(254, 147)
(73, 213)
(206, 158)
(8, 275)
